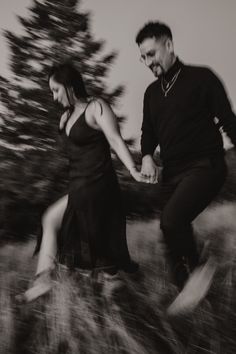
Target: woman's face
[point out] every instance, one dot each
(59, 92)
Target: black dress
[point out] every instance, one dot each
(93, 232)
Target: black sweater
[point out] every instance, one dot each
(183, 123)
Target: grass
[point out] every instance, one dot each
(82, 315)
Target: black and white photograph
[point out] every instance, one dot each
(118, 177)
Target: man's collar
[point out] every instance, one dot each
(173, 69)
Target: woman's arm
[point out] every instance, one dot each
(106, 121)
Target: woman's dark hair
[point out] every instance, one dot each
(153, 29)
(67, 75)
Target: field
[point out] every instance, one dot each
(81, 315)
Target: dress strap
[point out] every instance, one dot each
(62, 124)
(70, 110)
(94, 99)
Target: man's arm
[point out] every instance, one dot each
(148, 138)
(148, 144)
(221, 107)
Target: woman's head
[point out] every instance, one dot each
(66, 84)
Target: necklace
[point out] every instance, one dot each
(170, 84)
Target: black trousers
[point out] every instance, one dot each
(186, 190)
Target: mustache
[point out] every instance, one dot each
(155, 65)
(156, 73)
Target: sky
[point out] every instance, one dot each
(204, 33)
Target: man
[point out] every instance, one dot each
(182, 112)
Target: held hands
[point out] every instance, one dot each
(149, 170)
(148, 173)
(137, 175)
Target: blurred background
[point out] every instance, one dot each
(99, 36)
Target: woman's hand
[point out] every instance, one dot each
(102, 117)
(149, 169)
(138, 176)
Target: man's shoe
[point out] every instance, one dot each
(194, 290)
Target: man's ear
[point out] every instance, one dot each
(170, 45)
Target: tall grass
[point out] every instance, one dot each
(84, 315)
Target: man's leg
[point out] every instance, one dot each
(187, 195)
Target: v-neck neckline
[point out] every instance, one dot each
(78, 118)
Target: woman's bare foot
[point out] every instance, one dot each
(41, 285)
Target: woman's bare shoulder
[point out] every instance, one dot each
(98, 105)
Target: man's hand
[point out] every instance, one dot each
(149, 169)
(137, 175)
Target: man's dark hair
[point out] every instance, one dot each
(153, 29)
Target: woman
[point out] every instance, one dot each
(86, 228)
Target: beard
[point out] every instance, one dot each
(157, 70)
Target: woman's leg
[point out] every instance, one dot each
(51, 223)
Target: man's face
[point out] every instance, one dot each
(157, 54)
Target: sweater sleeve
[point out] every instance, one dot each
(221, 107)
(148, 138)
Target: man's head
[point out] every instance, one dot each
(156, 47)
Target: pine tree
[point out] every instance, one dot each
(55, 31)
